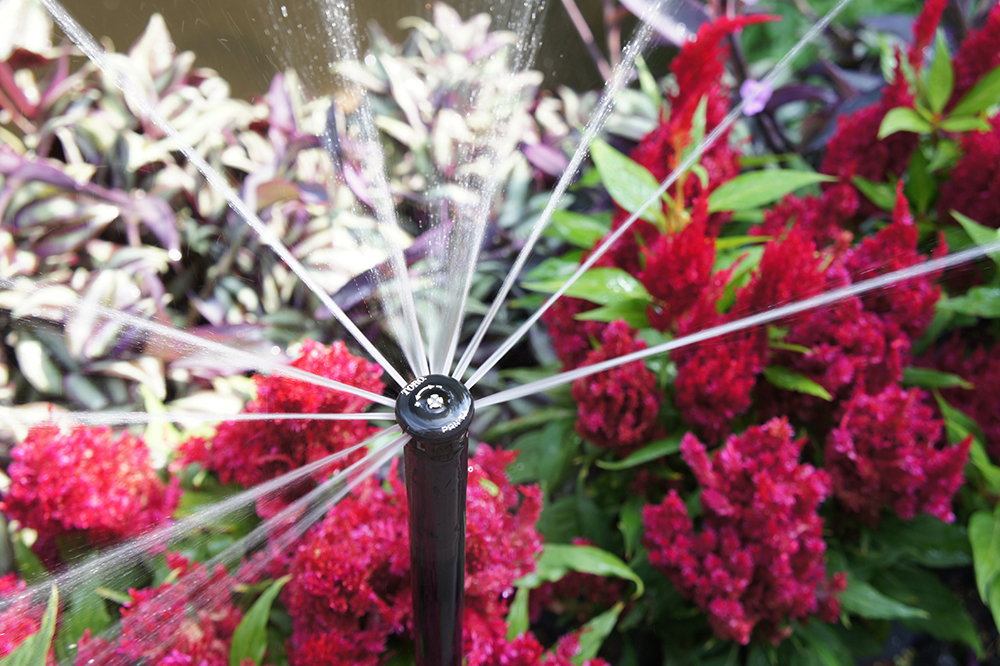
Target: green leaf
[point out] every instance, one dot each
(921, 186)
(632, 310)
(250, 637)
(648, 453)
(732, 242)
(981, 235)
(925, 540)
(784, 378)
(940, 76)
(947, 619)
(984, 536)
(630, 525)
(903, 119)
(647, 82)
(604, 286)
(964, 124)
(86, 611)
(545, 454)
(28, 565)
(882, 195)
(35, 648)
(931, 379)
(958, 427)
(539, 417)
(593, 633)
(517, 616)
(578, 229)
(559, 559)
(759, 188)
(629, 183)
(983, 95)
(978, 302)
(862, 599)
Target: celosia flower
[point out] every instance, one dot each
(86, 481)
(908, 305)
(189, 621)
(980, 367)
(823, 218)
(617, 409)
(678, 268)
(250, 452)
(887, 453)
(19, 618)
(351, 591)
(924, 28)
(756, 564)
(790, 270)
(973, 188)
(978, 55)
(572, 339)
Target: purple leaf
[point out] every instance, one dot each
(545, 158)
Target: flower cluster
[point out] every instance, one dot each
(85, 481)
(19, 618)
(250, 452)
(974, 186)
(350, 590)
(757, 561)
(886, 452)
(186, 622)
(617, 409)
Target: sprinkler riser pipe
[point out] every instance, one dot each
(436, 412)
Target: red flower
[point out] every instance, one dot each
(250, 452)
(678, 268)
(923, 30)
(973, 188)
(908, 305)
(757, 562)
(790, 270)
(19, 618)
(190, 621)
(571, 338)
(822, 218)
(86, 481)
(978, 55)
(887, 452)
(617, 409)
(981, 367)
(351, 575)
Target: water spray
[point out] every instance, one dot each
(436, 411)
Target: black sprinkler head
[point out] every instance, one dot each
(435, 410)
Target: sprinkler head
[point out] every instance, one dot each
(436, 411)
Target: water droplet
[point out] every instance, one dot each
(175, 255)
(275, 350)
(370, 60)
(284, 11)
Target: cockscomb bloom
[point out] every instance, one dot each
(790, 270)
(678, 268)
(888, 452)
(716, 378)
(251, 452)
(350, 590)
(188, 621)
(572, 339)
(823, 218)
(980, 366)
(85, 481)
(978, 55)
(19, 617)
(757, 562)
(617, 409)
(973, 188)
(924, 28)
(908, 305)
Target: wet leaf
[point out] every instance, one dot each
(759, 188)
(579, 229)
(559, 559)
(903, 119)
(793, 381)
(983, 95)
(981, 235)
(35, 648)
(648, 453)
(593, 633)
(604, 286)
(629, 183)
(978, 302)
(862, 599)
(250, 638)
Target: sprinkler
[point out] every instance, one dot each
(436, 411)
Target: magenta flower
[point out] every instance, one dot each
(888, 452)
(756, 563)
(86, 481)
(756, 95)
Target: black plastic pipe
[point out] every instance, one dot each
(436, 412)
